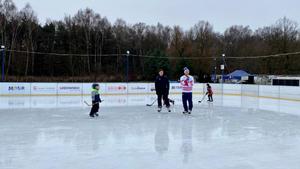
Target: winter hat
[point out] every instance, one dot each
(185, 69)
(95, 85)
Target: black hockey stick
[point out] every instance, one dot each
(202, 98)
(151, 103)
(90, 105)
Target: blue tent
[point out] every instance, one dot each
(238, 74)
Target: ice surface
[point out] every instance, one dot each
(232, 133)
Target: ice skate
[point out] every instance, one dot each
(172, 101)
(159, 109)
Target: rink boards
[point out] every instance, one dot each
(84, 89)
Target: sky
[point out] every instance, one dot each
(185, 13)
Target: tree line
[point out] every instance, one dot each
(88, 47)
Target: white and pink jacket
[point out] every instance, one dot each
(187, 83)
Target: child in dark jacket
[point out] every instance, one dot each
(95, 100)
(209, 93)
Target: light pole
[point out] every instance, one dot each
(223, 67)
(3, 62)
(127, 65)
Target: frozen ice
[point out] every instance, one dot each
(231, 133)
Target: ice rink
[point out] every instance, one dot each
(234, 132)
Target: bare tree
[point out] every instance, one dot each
(30, 21)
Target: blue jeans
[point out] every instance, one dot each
(187, 97)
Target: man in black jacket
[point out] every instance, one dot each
(162, 86)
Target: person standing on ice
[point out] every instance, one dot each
(162, 86)
(95, 100)
(209, 93)
(187, 83)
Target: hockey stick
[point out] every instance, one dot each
(202, 98)
(90, 105)
(151, 103)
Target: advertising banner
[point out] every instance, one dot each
(15, 88)
(138, 88)
(44, 88)
(69, 88)
(116, 88)
(175, 88)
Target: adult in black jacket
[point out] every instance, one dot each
(162, 86)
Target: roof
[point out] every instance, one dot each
(239, 73)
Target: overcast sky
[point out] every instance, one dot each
(220, 13)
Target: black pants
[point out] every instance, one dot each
(165, 97)
(187, 97)
(210, 98)
(95, 109)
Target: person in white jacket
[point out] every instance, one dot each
(187, 83)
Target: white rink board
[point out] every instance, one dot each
(138, 88)
(116, 88)
(199, 88)
(80, 89)
(232, 89)
(269, 91)
(251, 90)
(69, 88)
(217, 88)
(289, 92)
(175, 88)
(44, 88)
(151, 87)
(15, 88)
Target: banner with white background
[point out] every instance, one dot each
(69, 88)
(80, 89)
(44, 88)
(116, 88)
(138, 88)
(15, 88)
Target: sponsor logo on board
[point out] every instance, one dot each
(16, 88)
(116, 88)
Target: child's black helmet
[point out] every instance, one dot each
(95, 85)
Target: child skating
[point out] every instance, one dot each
(209, 93)
(95, 100)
